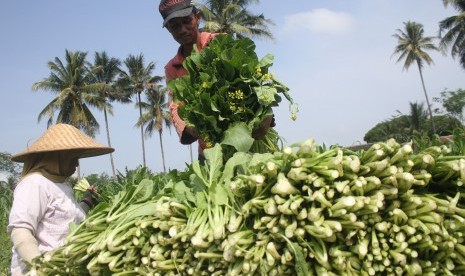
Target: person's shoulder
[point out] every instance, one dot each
(34, 179)
(170, 63)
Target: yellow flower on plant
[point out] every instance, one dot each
(204, 85)
(239, 94)
(266, 77)
(232, 107)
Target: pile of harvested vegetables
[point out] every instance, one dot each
(299, 210)
(304, 210)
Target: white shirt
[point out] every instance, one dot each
(45, 208)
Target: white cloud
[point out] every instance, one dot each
(319, 21)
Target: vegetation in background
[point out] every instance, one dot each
(452, 31)
(416, 124)
(412, 45)
(134, 80)
(453, 103)
(232, 17)
(12, 172)
(105, 71)
(404, 127)
(156, 114)
(70, 81)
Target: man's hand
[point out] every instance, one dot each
(260, 132)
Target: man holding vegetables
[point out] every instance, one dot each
(182, 19)
(44, 204)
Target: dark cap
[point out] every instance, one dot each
(170, 9)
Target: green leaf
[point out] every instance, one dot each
(238, 159)
(265, 94)
(219, 195)
(182, 192)
(143, 191)
(201, 200)
(260, 159)
(301, 266)
(214, 161)
(266, 61)
(199, 173)
(239, 136)
(228, 71)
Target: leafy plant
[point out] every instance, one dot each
(228, 93)
(6, 200)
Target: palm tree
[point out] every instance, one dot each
(106, 70)
(232, 17)
(70, 81)
(156, 113)
(134, 81)
(418, 116)
(455, 36)
(412, 46)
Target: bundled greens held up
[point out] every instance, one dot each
(228, 93)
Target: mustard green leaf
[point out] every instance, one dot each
(239, 136)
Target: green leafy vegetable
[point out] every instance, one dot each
(228, 93)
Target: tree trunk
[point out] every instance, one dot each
(78, 168)
(109, 142)
(162, 152)
(190, 150)
(141, 129)
(427, 100)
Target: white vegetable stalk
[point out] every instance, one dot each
(283, 186)
(82, 185)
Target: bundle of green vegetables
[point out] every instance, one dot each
(305, 210)
(228, 93)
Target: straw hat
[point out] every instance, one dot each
(64, 137)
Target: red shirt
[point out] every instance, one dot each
(174, 69)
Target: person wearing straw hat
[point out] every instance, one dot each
(43, 203)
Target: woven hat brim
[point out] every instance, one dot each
(79, 153)
(63, 137)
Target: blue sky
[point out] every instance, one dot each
(334, 55)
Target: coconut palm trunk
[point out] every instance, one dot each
(190, 151)
(427, 98)
(162, 151)
(141, 129)
(109, 142)
(78, 169)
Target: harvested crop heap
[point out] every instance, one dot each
(304, 210)
(299, 210)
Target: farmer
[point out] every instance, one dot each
(182, 19)
(43, 203)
